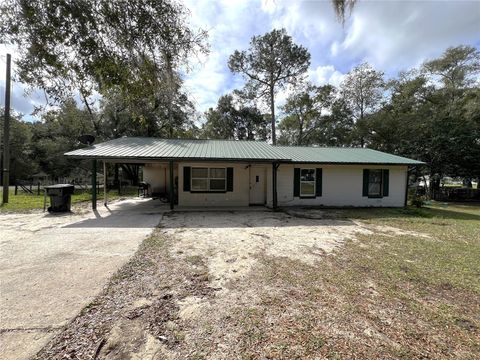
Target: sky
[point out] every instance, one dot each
(391, 35)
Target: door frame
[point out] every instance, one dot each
(263, 172)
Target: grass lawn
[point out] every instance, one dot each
(381, 295)
(25, 202)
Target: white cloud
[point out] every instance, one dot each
(326, 75)
(392, 35)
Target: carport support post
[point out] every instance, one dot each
(172, 197)
(94, 184)
(104, 183)
(274, 184)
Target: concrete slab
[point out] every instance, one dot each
(51, 266)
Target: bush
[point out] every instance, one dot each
(418, 200)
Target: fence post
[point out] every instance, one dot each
(38, 188)
(16, 187)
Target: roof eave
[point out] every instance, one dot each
(161, 159)
(353, 163)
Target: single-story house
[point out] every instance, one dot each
(243, 173)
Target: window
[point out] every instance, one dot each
(208, 179)
(199, 179)
(307, 182)
(375, 183)
(217, 179)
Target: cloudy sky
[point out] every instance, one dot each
(391, 35)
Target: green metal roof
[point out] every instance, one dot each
(331, 155)
(144, 149)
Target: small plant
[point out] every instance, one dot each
(418, 200)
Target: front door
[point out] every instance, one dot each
(257, 185)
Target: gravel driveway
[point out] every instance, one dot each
(51, 266)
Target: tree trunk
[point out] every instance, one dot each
(115, 179)
(300, 136)
(435, 186)
(168, 59)
(478, 182)
(272, 110)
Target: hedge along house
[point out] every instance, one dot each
(222, 173)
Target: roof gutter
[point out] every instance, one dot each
(167, 159)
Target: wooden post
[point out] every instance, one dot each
(16, 188)
(104, 183)
(172, 196)
(94, 184)
(6, 134)
(38, 188)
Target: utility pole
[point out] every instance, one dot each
(6, 134)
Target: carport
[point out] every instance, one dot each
(170, 163)
(227, 164)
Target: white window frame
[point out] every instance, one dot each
(224, 178)
(208, 178)
(304, 181)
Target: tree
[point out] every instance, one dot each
(303, 111)
(56, 134)
(432, 115)
(316, 116)
(234, 121)
(362, 90)
(92, 47)
(271, 63)
(221, 122)
(342, 8)
(21, 165)
(457, 68)
(336, 128)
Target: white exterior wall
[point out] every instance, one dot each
(238, 197)
(342, 186)
(155, 175)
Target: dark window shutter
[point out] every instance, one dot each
(385, 181)
(296, 182)
(230, 179)
(366, 175)
(318, 183)
(186, 178)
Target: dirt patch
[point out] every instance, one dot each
(233, 241)
(268, 285)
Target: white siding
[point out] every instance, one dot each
(342, 186)
(238, 197)
(157, 175)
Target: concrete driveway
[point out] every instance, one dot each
(51, 266)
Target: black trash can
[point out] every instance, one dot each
(60, 197)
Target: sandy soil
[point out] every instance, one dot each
(233, 241)
(175, 299)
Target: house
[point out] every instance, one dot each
(243, 173)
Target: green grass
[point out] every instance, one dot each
(418, 296)
(26, 202)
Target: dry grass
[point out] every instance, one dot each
(381, 295)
